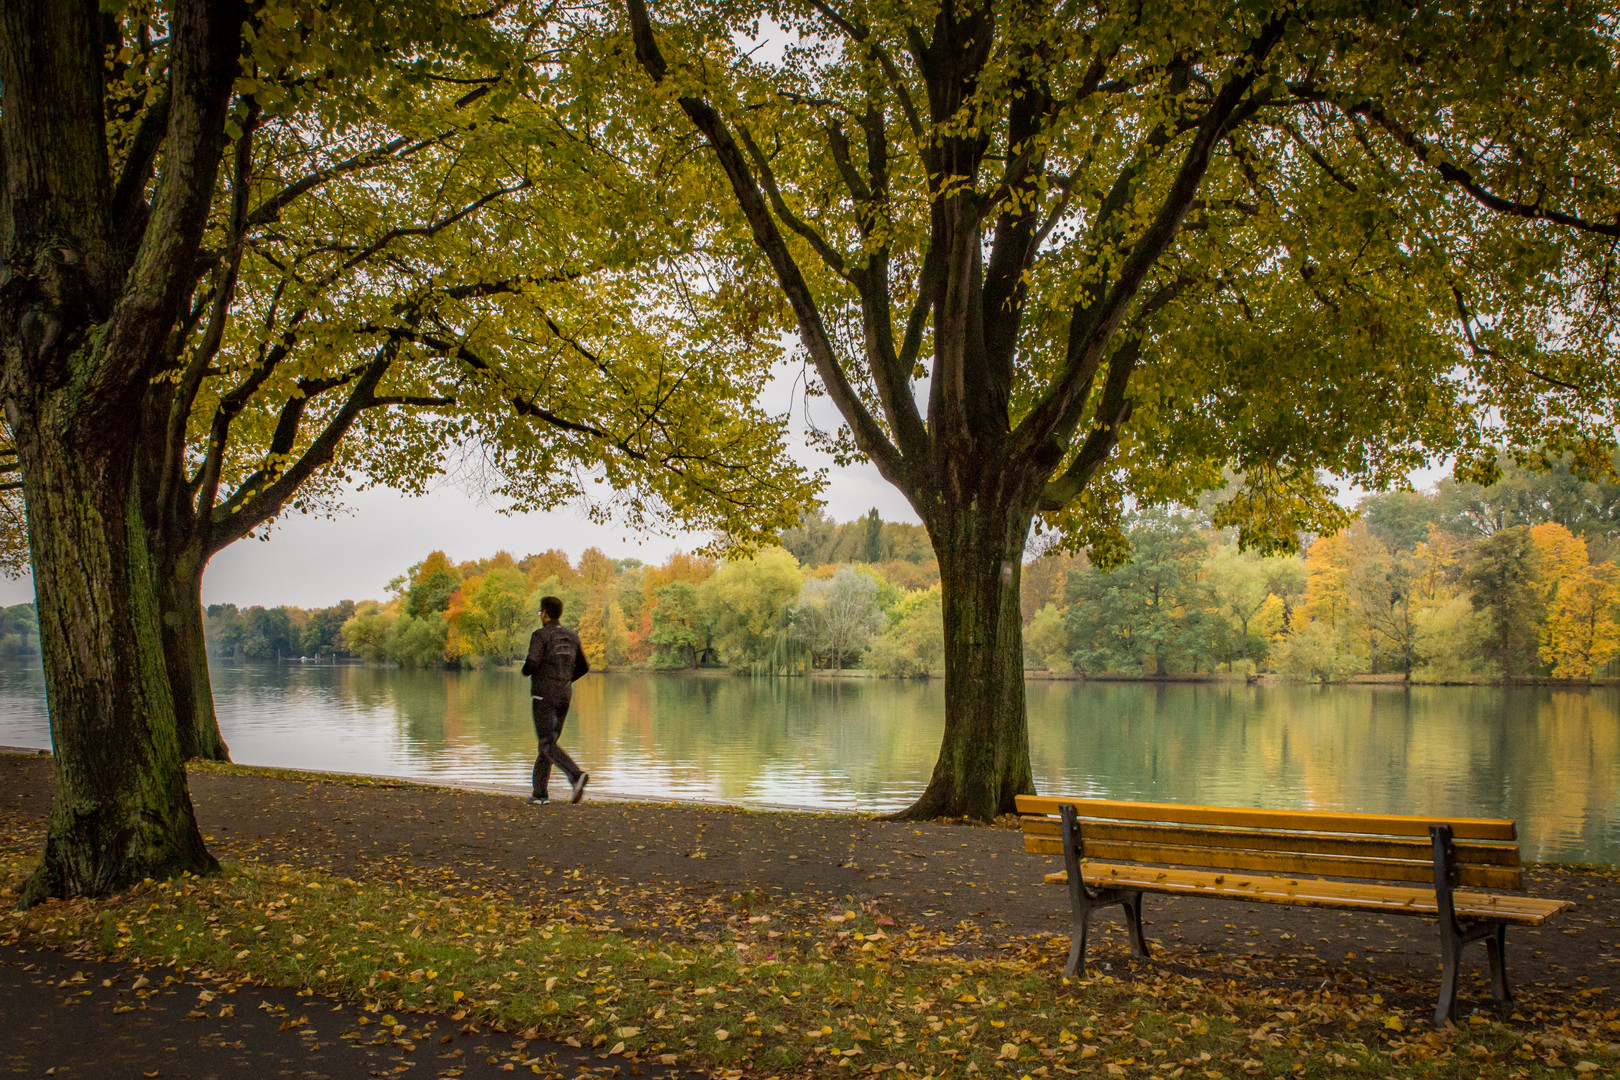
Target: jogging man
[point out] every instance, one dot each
(555, 660)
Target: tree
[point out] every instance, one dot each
(914, 645)
(835, 617)
(1153, 609)
(241, 266)
(873, 552)
(95, 280)
(488, 616)
(1580, 634)
(1046, 640)
(1240, 585)
(679, 634)
(1047, 214)
(1501, 575)
(1400, 520)
(745, 606)
(366, 632)
(1545, 487)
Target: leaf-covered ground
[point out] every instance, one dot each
(801, 945)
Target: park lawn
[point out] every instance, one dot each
(857, 999)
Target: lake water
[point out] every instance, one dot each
(1549, 758)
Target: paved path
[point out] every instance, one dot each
(73, 1018)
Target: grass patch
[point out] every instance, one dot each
(856, 998)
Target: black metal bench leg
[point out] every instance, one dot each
(1081, 918)
(1496, 949)
(1133, 921)
(1446, 1010)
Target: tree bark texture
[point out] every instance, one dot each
(122, 810)
(92, 286)
(179, 586)
(983, 759)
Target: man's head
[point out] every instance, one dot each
(551, 608)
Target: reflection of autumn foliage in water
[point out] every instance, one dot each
(1582, 731)
(1549, 758)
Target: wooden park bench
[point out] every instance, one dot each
(1114, 852)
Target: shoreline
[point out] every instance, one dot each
(1265, 678)
(619, 798)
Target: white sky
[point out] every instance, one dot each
(314, 562)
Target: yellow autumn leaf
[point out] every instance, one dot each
(456, 995)
(722, 1034)
(1394, 1024)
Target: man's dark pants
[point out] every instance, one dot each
(550, 710)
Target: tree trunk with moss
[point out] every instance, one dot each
(92, 284)
(179, 586)
(122, 810)
(984, 752)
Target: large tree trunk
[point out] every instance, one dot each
(92, 284)
(984, 754)
(122, 810)
(179, 586)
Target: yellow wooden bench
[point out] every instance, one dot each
(1114, 852)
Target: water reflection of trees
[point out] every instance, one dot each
(1549, 758)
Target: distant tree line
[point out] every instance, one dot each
(1461, 583)
(19, 632)
(261, 633)
(782, 610)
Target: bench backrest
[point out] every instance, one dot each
(1367, 847)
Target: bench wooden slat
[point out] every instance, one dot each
(1305, 820)
(1276, 862)
(1314, 892)
(1483, 853)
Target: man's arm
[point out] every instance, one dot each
(531, 663)
(581, 665)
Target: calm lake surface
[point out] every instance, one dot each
(1549, 758)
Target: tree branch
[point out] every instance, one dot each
(1461, 177)
(1060, 408)
(204, 59)
(184, 395)
(818, 243)
(869, 435)
(129, 196)
(251, 506)
(863, 36)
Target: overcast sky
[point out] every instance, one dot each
(314, 562)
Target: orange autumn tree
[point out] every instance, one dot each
(1581, 633)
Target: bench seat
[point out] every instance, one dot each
(1114, 852)
(1317, 892)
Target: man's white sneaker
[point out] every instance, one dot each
(579, 787)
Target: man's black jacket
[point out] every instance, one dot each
(555, 659)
